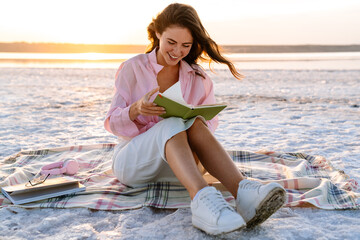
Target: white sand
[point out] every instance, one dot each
(312, 111)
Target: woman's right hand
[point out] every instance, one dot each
(144, 107)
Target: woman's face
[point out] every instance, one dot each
(174, 44)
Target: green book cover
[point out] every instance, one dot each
(175, 109)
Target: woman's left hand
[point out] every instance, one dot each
(144, 107)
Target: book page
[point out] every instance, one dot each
(216, 105)
(174, 93)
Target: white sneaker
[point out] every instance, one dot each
(212, 214)
(257, 202)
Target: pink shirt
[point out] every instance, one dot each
(138, 76)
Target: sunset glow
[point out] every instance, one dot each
(228, 21)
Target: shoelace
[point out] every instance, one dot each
(216, 203)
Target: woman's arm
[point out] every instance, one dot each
(128, 104)
(117, 119)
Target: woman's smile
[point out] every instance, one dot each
(173, 57)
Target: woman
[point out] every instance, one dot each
(169, 149)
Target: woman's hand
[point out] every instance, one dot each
(144, 107)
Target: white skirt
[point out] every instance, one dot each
(142, 159)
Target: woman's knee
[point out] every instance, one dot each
(176, 140)
(197, 127)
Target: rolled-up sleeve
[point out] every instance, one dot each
(117, 120)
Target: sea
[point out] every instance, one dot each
(51, 100)
(287, 102)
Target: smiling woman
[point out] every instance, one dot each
(175, 149)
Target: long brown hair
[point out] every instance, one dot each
(203, 47)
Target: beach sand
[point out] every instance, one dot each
(311, 111)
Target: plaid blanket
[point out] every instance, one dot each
(308, 180)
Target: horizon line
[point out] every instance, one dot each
(130, 44)
(27, 47)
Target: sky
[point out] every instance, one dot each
(231, 22)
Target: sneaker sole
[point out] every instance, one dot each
(214, 230)
(273, 201)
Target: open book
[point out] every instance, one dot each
(25, 193)
(178, 109)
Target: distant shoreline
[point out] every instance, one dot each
(25, 47)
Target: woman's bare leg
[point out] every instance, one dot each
(213, 156)
(198, 138)
(182, 162)
(255, 205)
